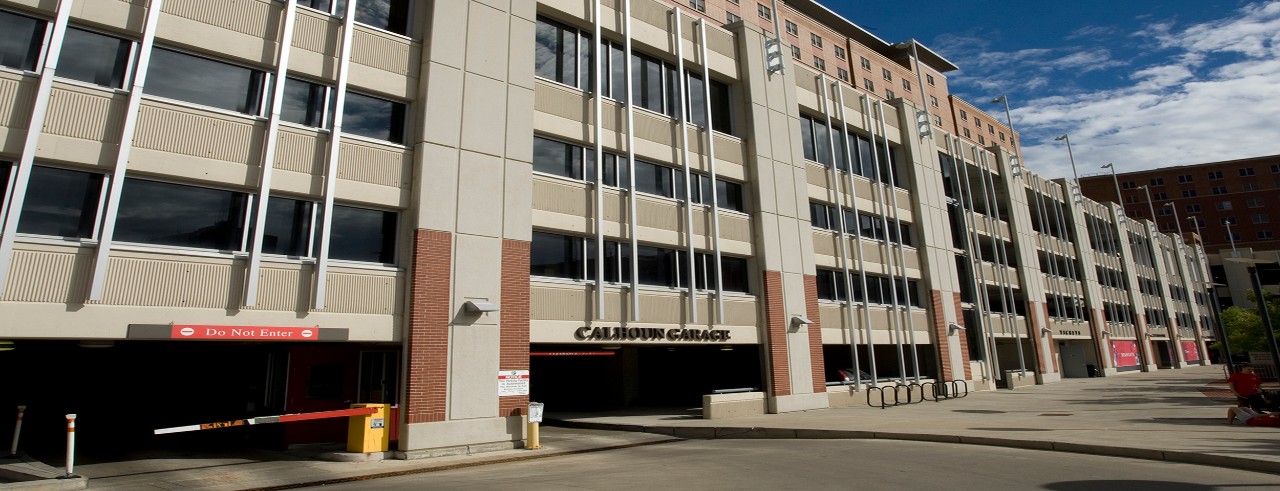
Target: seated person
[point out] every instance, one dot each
(1251, 417)
(1247, 387)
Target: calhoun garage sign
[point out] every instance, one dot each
(588, 333)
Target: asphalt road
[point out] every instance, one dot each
(829, 464)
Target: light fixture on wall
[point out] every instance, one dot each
(800, 320)
(1045, 330)
(480, 307)
(953, 327)
(1106, 333)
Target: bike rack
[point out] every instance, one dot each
(936, 391)
(883, 403)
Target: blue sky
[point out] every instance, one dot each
(1143, 84)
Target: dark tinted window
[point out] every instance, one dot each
(304, 102)
(557, 256)
(60, 202)
(555, 55)
(388, 15)
(288, 228)
(657, 266)
(659, 180)
(203, 81)
(153, 212)
(21, 42)
(94, 58)
(558, 158)
(361, 234)
(373, 118)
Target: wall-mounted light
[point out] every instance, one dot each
(800, 320)
(1045, 330)
(1106, 333)
(953, 327)
(480, 307)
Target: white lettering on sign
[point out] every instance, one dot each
(513, 383)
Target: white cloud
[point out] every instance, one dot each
(1211, 95)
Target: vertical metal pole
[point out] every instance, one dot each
(894, 318)
(976, 262)
(17, 430)
(601, 50)
(1002, 256)
(1212, 293)
(902, 257)
(711, 161)
(102, 256)
(1266, 316)
(862, 265)
(924, 98)
(335, 144)
(844, 233)
(269, 153)
(683, 124)
(631, 167)
(71, 446)
(22, 172)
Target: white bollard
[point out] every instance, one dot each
(17, 429)
(71, 444)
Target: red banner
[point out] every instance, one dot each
(1124, 353)
(1190, 351)
(187, 331)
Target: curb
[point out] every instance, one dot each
(716, 432)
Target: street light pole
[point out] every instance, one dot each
(1213, 298)
(1183, 273)
(1115, 180)
(1150, 206)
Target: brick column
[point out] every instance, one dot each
(939, 322)
(429, 312)
(776, 319)
(964, 340)
(1099, 321)
(514, 354)
(1034, 336)
(816, 361)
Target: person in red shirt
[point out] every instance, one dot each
(1247, 387)
(1251, 417)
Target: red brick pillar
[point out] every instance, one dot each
(964, 340)
(1099, 323)
(816, 360)
(428, 333)
(1034, 335)
(939, 322)
(776, 319)
(514, 353)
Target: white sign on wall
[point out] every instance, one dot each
(513, 383)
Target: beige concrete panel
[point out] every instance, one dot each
(369, 162)
(126, 15)
(477, 276)
(66, 149)
(769, 242)
(437, 201)
(739, 311)
(448, 26)
(766, 201)
(560, 302)
(561, 196)
(789, 239)
(301, 150)
(372, 194)
(88, 114)
(362, 293)
(209, 171)
(442, 110)
(159, 281)
(759, 139)
(730, 149)
(196, 133)
(462, 432)
(17, 94)
(479, 184)
(296, 183)
(659, 214)
(487, 31)
(391, 54)
(656, 128)
(48, 274)
(473, 371)
(517, 202)
(286, 287)
(734, 226)
(789, 204)
(825, 243)
(245, 30)
(484, 118)
(797, 339)
(378, 82)
(520, 107)
(663, 308)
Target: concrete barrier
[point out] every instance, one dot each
(737, 405)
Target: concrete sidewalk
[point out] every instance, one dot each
(1175, 415)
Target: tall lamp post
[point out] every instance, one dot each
(1183, 273)
(1115, 180)
(1252, 265)
(1213, 299)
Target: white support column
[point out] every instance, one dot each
(103, 254)
(335, 142)
(269, 153)
(711, 161)
(601, 51)
(895, 319)
(862, 266)
(902, 257)
(631, 169)
(22, 173)
(843, 233)
(683, 124)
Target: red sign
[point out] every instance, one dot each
(259, 333)
(1124, 353)
(571, 353)
(1190, 351)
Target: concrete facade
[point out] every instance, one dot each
(526, 218)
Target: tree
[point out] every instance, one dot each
(1244, 327)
